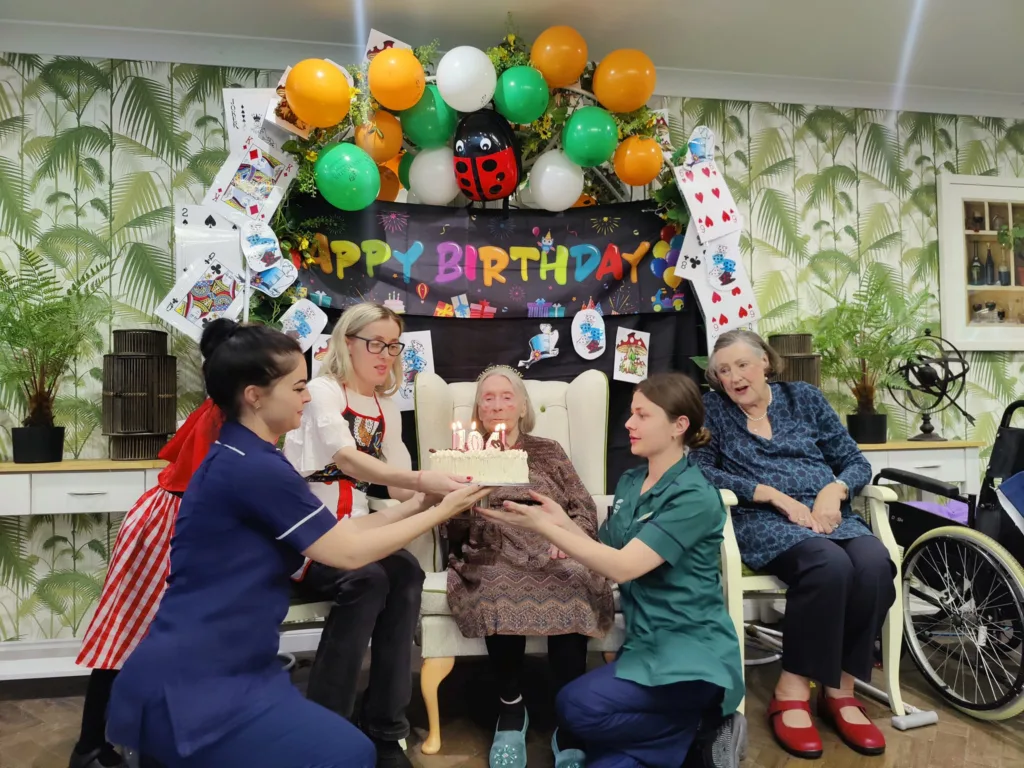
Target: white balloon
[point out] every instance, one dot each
(410, 197)
(432, 176)
(466, 78)
(555, 181)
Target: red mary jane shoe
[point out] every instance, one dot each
(865, 739)
(799, 742)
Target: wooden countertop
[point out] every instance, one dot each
(82, 465)
(924, 445)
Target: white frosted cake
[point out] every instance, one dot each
(483, 466)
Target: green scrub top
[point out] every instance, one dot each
(677, 626)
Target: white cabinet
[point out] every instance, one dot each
(981, 304)
(953, 461)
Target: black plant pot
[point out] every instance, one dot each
(868, 428)
(38, 445)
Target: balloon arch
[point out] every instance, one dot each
(543, 125)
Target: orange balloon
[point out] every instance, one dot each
(318, 93)
(389, 185)
(381, 138)
(638, 161)
(624, 80)
(393, 164)
(396, 79)
(560, 54)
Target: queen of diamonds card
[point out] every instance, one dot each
(252, 183)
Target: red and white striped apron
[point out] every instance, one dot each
(138, 570)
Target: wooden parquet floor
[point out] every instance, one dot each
(39, 723)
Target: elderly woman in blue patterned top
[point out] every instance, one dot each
(783, 451)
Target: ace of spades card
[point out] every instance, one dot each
(304, 322)
(252, 183)
(207, 291)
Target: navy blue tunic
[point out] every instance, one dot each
(809, 449)
(209, 662)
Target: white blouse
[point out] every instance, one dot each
(324, 431)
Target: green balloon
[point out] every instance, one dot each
(403, 168)
(522, 95)
(430, 122)
(590, 137)
(347, 177)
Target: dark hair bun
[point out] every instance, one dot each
(215, 334)
(702, 438)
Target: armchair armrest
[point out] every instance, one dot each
(875, 498)
(729, 498)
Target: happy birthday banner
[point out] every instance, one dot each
(466, 263)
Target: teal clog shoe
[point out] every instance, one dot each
(508, 750)
(567, 758)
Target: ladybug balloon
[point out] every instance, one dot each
(487, 161)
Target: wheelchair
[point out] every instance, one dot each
(963, 584)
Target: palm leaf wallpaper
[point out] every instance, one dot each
(94, 154)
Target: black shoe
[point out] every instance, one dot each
(391, 755)
(727, 745)
(104, 757)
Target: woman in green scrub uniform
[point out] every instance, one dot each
(680, 662)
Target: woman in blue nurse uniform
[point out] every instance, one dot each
(205, 688)
(679, 669)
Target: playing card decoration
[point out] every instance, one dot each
(207, 291)
(320, 347)
(275, 280)
(304, 322)
(252, 183)
(708, 198)
(588, 334)
(487, 161)
(542, 346)
(709, 254)
(259, 246)
(632, 349)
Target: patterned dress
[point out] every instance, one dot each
(809, 449)
(501, 580)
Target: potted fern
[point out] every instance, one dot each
(859, 339)
(46, 323)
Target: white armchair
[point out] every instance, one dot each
(574, 414)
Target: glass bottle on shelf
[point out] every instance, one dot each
(990, 267)
(977, 273)
(1004, 270)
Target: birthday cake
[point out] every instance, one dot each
(490, 462)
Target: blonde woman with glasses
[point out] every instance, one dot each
(351, 438)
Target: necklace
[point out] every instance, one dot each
(764, 415)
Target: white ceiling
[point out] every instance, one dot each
(965, 56)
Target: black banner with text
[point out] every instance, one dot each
(466, 263)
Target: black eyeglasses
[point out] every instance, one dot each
(376, 346)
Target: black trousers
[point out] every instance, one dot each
(567, 659)
(379, 602)
(838, 593)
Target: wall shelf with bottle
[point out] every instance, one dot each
(981, 261)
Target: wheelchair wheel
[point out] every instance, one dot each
(963, 615)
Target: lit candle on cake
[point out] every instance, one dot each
(503, 433)
(455, 436)
(474, 441)
(461, 435)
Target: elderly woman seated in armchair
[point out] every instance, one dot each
(505, 584)
(781, 448)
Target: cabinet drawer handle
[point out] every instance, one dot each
(87, 493)
(927, 466)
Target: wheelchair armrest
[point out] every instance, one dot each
(914, 480)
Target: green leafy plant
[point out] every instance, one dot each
(1011, 237)
(46, 323)
(863, 335)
